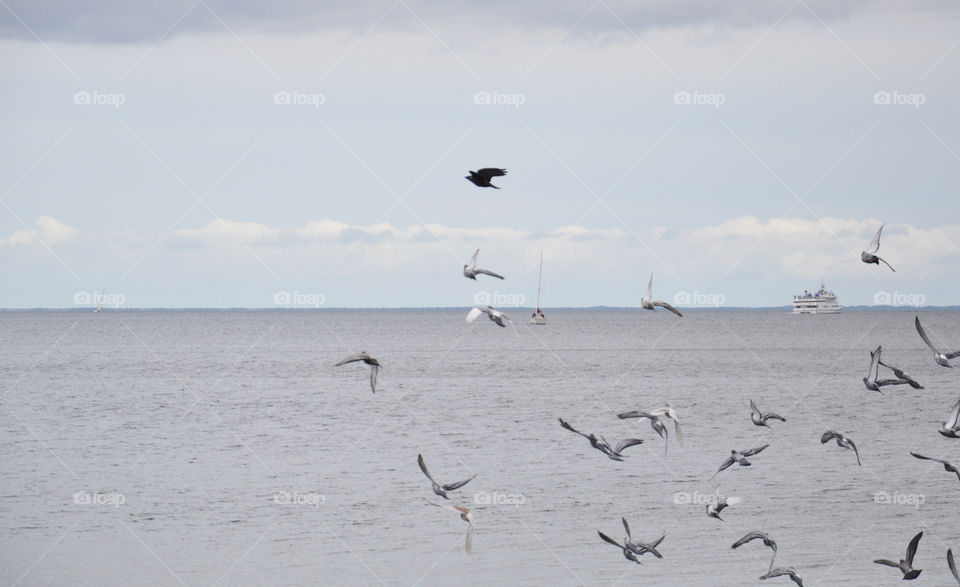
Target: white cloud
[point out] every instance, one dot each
(51, 232)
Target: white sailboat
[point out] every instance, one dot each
(538, 317)
(99, 302)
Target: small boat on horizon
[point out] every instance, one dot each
(538, 318)
(823, 301)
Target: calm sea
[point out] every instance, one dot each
(200, 448)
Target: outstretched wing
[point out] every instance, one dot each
(954, 417)
(912, 547)
(626, 444)
(746, 539)
(473, 259)
(353, 359)
(669, 307)
(490, 273)
(610, 540)
(473, 314)
(753, 451)
(626, 526)
(923, 335)
(488, 172)
(952, 565)
(642, 414)
(828, 436)
(754, 411)
(374, 369)
(571, 428)
(650, 287)
(875, 243)
(423, 467)
(457, 485)
(919, 456)
(889, 563)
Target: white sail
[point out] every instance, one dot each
(538, 318)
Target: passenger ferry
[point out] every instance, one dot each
(822, 302)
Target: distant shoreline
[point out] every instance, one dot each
(467, 308)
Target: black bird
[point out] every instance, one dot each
(760, 419)
(602, 445)
(906, 566)
(739, 457)
(482, 177)
(842, 441)
(440, 490)
(949, 467)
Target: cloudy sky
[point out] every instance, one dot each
(217, 153)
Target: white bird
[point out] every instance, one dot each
(647, 303)
(470, 271)
(939, 357)
(760, 419)
(842, 441)
(366, 358)
(783, 571)
(494, 315)
(671, 414)
(718, 503)
(951, 428)
(870, 255)
(655, 422)
(465, 515)
(906, 565)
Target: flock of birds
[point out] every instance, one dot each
(659, 418)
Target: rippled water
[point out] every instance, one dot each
(165, 448)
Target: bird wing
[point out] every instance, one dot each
(610, 540)
(457, 485)
(642, 414)
(875, 363)
(828, 436)
(754, 411)
(676, 429)
(469, 538)
(912, 548)
(489, 172)
(473, 259)
(726, 464)
(374, 369)
(572, 429)
(952, 355)
(490, 273)
(875, 243)
(753, 451)
(423, 467)
(883, 561)
(626, 526)
(952, 565)
(473, 314)
(954, 418)
(650, 287)
(353, 359)
(669, 307)
(923, 335)
(774, 416)
(626, 444)
(747, 538)
(887, 264)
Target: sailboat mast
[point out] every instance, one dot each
(539, 281)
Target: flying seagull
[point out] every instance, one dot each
(655, 422)
(953, 566)
(760, 419)
(465, 515)
(470, 271)
(872, 382)
(906, 566)
(902, 376)
(671, 414)
(440, 490)
(638, 547)
(627, 553)
(740, 457)
(602, 445)
(949, 467)
(783, 571)
(494, 315)
(842, 441)
(940, 358)
(870, 255)
(718, 503)
(647, 303)
(951, 428)
(366, 358)
(767, 541)
(481, 178)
